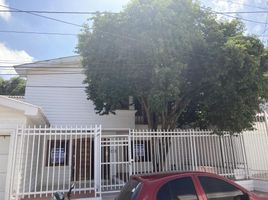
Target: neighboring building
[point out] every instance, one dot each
(14, 112)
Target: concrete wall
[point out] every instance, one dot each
(254, 185)
(256, 147)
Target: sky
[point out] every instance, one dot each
(21, 48)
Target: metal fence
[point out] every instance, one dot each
(188, 150)
(45, 160)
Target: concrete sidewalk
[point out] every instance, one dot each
(109, 196)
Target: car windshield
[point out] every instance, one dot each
(129, 191)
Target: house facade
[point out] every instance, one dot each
(57, 87)
(50, 138)
(54, 97)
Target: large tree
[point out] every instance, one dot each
(14, 86)
(178, 61)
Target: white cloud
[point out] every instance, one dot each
(10, 57)
(5, 15)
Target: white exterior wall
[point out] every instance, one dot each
(69, 106)
(10, 119)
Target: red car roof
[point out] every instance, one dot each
(148, 177)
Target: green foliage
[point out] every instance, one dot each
(14, 86)
(178, 61)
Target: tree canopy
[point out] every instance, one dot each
(14, 86)
(181, 63)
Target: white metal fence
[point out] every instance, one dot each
(45, 160)
(256, 146)
(188, 150)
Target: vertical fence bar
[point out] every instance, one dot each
(244, 155)
(80, 158)
(54, 159)
(71, 164)
(130, 159)
(85, 168)
(37, 163)
(16, 183)
(31, 160)
(43, 162)
(90, 154)
(59, 161)
(26, 162)
(20, 164)
(48, 160)
(176, 151)
(75, 156)
(65, 159)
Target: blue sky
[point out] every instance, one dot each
(22, 47)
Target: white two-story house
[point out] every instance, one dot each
(54, 97)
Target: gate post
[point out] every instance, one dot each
(130, 159)
(266, 121)
(97, 160)
(10, 165)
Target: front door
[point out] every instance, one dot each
(82, 159)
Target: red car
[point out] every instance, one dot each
(184, 186)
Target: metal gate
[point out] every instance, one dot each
(115, 162)
(45, 160)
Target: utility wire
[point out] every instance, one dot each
(38, 33)
(70, 23)
(112, 34)
(93, 13)
(58, 12)
(230, 16)
(246, 5)
(240, 18)
(43, 16)
(243, 12)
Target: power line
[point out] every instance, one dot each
(58, 12)
(246, 5)
(240, 18)
(38, 33)
(112, 34)
(243, 12)
(43, 16)
(235, 17)
(70, 23)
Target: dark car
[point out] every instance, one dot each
(184, 186)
